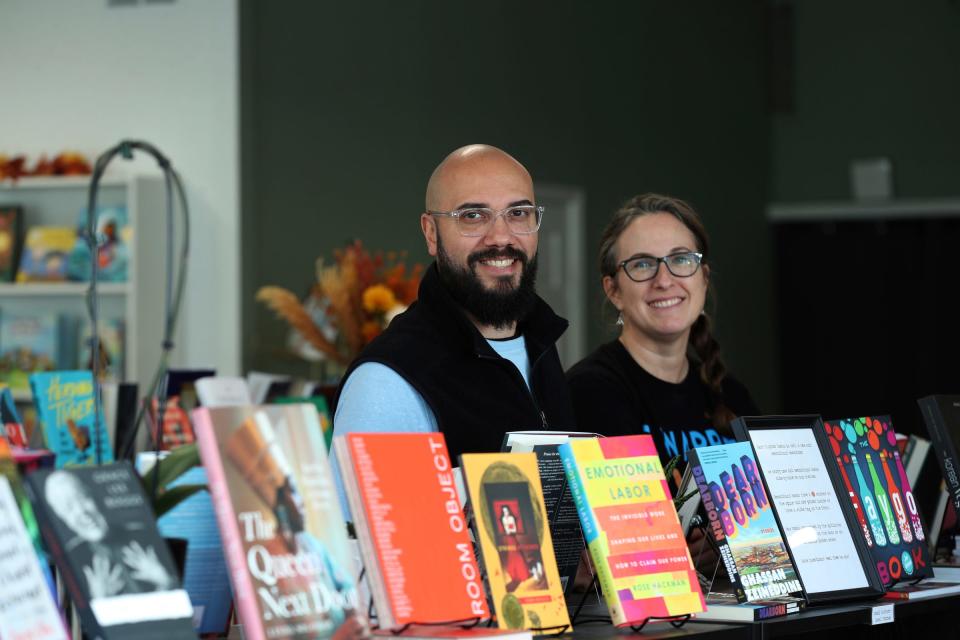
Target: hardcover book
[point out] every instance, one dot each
(631, 528)
(100, 531)
(941, 414)
(11, 221)
(742, 522)
(283, 534)
(413, 536)
(869, 460)
(27, 605)
(45, 254)
(510, 521)
(65, 411)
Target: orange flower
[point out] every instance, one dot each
(378, 299)
(370, 330)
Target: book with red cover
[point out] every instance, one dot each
(284, 536)
(413, 535)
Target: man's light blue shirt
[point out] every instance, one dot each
(375, 398)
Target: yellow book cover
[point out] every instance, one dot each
(514, 537)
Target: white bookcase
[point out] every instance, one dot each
(139, 301)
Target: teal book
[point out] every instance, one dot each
(65, 412)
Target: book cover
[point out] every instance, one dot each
(28, 343)
(510, 521)
(283, 534)
(941, 414)
(323, 411)
(568, 542)
(65, 411)
(742, 522)
(114, 239)
(413, 536)
(205, 577)
(100, 531)
(28, 608)
(45, 254)
(112, 342)
(631, 528)
(11, 221)
(177, 429)
(12, 427)
(866, 451)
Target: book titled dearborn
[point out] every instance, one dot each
(742, 522)
(283, 532)
(631, 527)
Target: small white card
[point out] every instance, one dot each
(881, 614)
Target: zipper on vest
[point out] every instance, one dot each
(533, 399)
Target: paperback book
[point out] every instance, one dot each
(866, 451)
(114, 239)
(27, 605)
(941, 414)
(723, 607)
(65, 411)
(28, 343)
(45, 254)
(11, 221)
(100, 531)
(510, 523)
(631, 527)
(413, 535)
(742, 523)
(11, 427)
(283, 534)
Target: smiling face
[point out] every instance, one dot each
(664, 308)
(491, 275)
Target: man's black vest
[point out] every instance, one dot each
(475, 394)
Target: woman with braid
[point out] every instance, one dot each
(663, 375)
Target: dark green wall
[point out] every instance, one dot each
(347, 108)
(873, 78)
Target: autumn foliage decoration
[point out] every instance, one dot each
(350, 303)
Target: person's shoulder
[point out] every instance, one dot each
(603, 363)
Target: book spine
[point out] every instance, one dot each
(591, 533)
(715, 525)
(943, 445)
(771, 611)
(243, 593)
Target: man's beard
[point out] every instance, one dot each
(499, 307)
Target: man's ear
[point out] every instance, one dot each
(613, 291)
(429, 227)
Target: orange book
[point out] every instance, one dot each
(419, 561)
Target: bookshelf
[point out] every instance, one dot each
(137, 302)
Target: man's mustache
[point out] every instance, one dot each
(494, 253)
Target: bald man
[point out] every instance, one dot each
(475, 356)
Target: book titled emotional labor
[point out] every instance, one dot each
(742, 522)
(631, 528)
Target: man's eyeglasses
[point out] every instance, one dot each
(643, 268)
(474, 222)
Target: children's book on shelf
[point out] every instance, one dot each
(631, 527)
(28, 343)
(101, 533)
(13, 430)
(511, 525)
(114, 239)
(413, 535)
(11, 222)
(205, 577)
(112, 341)
(284, 536)
(65, 411)
(568, 542)
(28, 608)
(45, 254)
(866, 451)
(742, 523)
